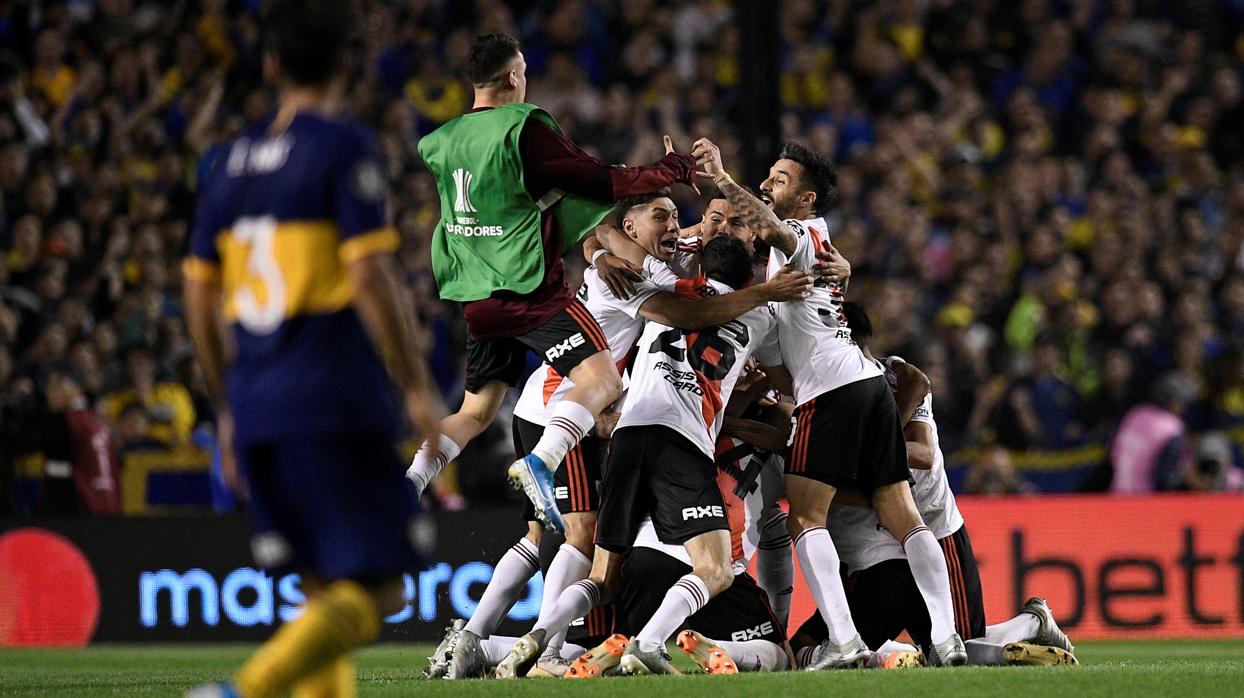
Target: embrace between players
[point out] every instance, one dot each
(666, 490)
(663, 494)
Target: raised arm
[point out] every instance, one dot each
(911, 388)
(756, 215)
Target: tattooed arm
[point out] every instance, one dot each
(759, 217)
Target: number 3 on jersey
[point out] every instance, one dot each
(260, 299)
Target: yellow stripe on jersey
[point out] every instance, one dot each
(200, 270)
(277, 270)
(370, 243)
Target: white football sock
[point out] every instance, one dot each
(688, 595)
(496, 647)
(756, 655)
(803, 655)
(575, 602)
(985, 653)
(517, 566)
(569, 423)
(425, 467)
(1020, 628)
(819, 560)
(928, 567)
(569, 566)
(775, 569)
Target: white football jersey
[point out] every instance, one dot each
(816, 343)
(744, 509)
(683, 379)
(618, 319)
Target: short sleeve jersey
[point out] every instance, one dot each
(683, 379)
(280, 217)
(816, 343)
(620, 321)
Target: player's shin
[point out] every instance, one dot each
(756, 655)
(1017, 629)
(775, 570)
(569, 566)
(339, 620)
(427, 465)
(688, 595)
(985, 653)
(819, 561)
(928, 568)
(569, 423)
(517, 566)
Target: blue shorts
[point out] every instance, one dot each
(336, 506)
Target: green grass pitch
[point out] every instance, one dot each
(1107, 668)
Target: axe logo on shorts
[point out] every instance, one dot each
(564, 347)
(702, 512)
(756, 633)
(561, 493)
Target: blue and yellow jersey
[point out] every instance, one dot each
(280, 216)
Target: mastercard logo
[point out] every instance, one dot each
(48, 593)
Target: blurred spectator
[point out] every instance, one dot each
(993, 473)
(1213, 469)
(168, 405)
(1041, 409)
(1149, 448)
(1070, 171)
(81, 471)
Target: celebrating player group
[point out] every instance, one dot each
(698, 378)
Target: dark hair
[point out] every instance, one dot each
(625, 205)
(818, 175)
(65, 372)
(861, 326)
(309, 37)
(490, 54)
(726, 259)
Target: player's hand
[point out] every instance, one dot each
(426, 409)
(618, 274)
(789, 284)
(229, 471)
(708, 158)
(832, 265)
(669, 148)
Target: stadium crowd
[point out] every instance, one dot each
(1043, 202)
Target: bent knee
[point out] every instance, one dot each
(717, 578)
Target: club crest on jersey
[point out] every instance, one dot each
(462, 191)
(707, 512)
(565, 346)
(756, 633)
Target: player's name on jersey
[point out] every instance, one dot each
(467, 228)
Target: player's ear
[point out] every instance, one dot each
(809, 198)
(628, 227)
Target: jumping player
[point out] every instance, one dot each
(650, 224)
(291, 246)
(847, 431)
(515, 195)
